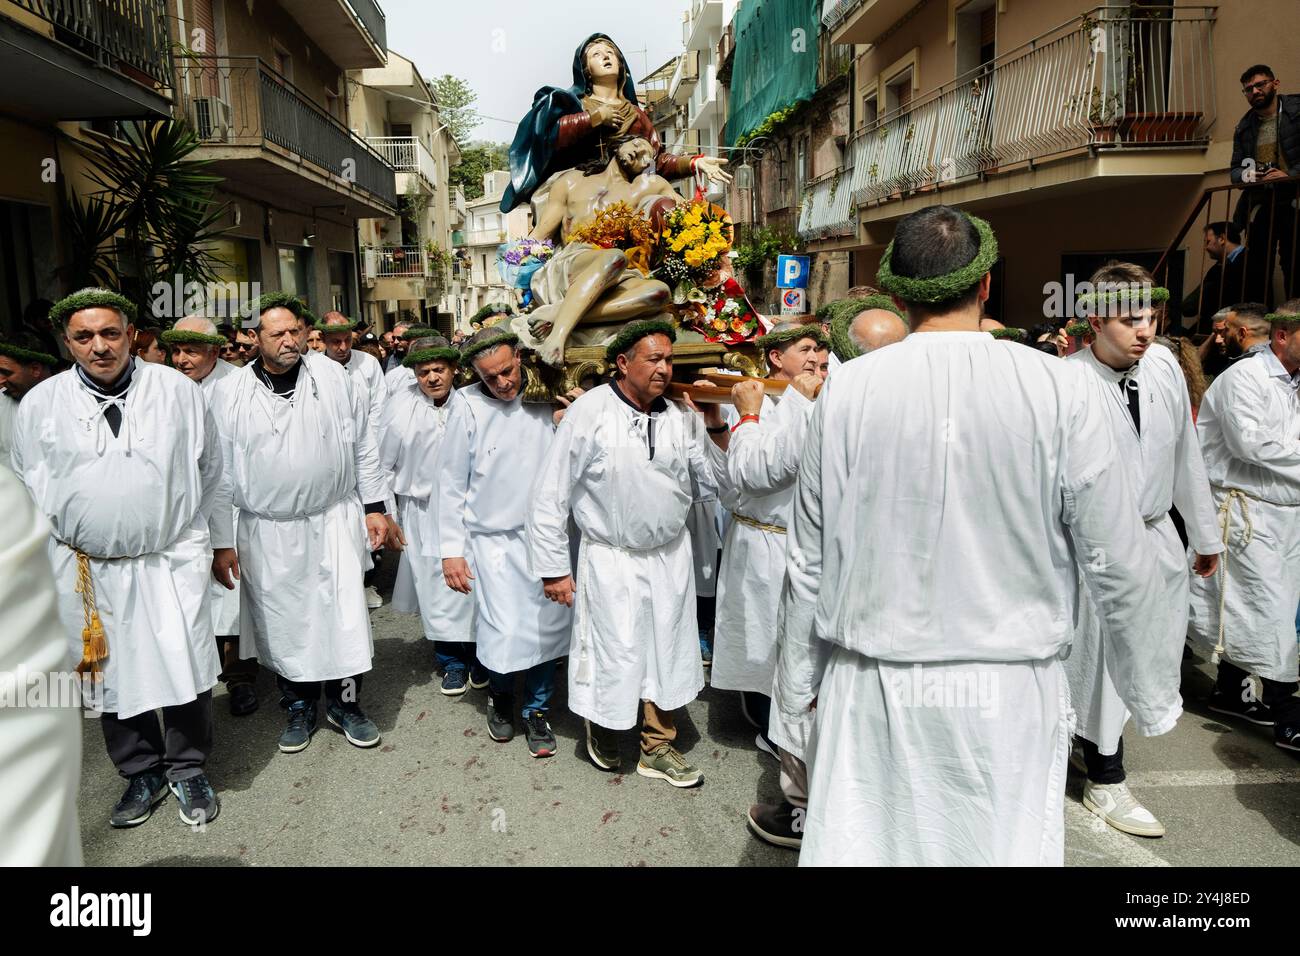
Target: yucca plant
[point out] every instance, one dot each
(159, 200)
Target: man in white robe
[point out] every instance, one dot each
(622, 464)
(336, 330)
(493, 449)
(764, 460)
(415, 420)
(932, 579)
(301, 468)
(753, 551)
(195, 351)
(123, 461)
(24, 364)
(1244, 617)
(1141, 388)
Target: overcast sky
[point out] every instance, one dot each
(507, 49)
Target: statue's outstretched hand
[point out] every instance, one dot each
(711, 168)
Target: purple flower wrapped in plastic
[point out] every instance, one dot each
(518, 260)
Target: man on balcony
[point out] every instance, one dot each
(1266, 149)
(335, 331)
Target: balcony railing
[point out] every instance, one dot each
(240, 101)
(1107, 79)
(396, 262)
(485, 237)
(116, 33)
(373, 19)
(406, 154)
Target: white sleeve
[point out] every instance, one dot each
(764, 456)
(1110, 543)
(1246, 437)
(546, 527)
(221, 519)
(1191, 486)
(372, 484)
(801, 655)
(454, 468)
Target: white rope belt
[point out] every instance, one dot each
(1225, 528)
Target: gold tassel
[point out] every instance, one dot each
(94, 643)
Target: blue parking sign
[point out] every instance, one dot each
(792, 272)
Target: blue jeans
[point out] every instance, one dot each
(456, 655)
(539, 683)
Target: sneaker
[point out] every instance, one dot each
(1287, 737)
(454, 682)
(541, 741)
(373, 600)
(764, 743)
(302, 724)
(198, 801)
(501, 726)
(144, 791)
(1117, 806)
(665, 763)
(602, 747)
(1255, 711)
(478, 676)
(359, 729)
(243, 699)
(780, 824)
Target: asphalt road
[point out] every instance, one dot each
(439, 791)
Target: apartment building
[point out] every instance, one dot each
(486, 229)
(265, 85)
(68, 72)
(406, 264)
(1080, 136)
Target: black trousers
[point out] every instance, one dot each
(1272, 231)
(1278, 696)
(345, 690)
(375, 558)
(1103, 769)
(179, 747)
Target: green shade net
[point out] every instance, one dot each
(769, 72)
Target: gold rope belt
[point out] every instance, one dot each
(754, 523)
(1225, 526)
(94, 644)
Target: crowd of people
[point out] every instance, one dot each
(933, 557)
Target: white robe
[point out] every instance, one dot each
(225, 602)
(634, 631)
(753, 564)
(763, 460)
(1165, 469)
(413, 430)
(299, 473)
(947, 484)
(40, 746)
(8, 414)
(490, 457)
(1249, 425)
(138, 505)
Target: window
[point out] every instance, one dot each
(26, 260)
(975, 35)
(295, 271)
(870, 112)
(898, 92)
(283, 63)
(342, 286)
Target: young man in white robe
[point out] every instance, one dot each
(932, 579)
(1249, 424)
(195, 350)
(622, 463)
(336, 330)
(764, 460)
(301, 468)
(24, 364)
(492, 451)
(1140, 386)
(123, 460)
(415, 421)
(753, 551)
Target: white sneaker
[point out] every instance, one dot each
(373, 600)
(1117, 806)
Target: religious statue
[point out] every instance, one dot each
(584, 283)
(569, 127)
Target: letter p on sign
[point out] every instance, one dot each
(792, 272)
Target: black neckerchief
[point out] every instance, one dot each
(660, 404)
(283, 384)
(103, 393)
